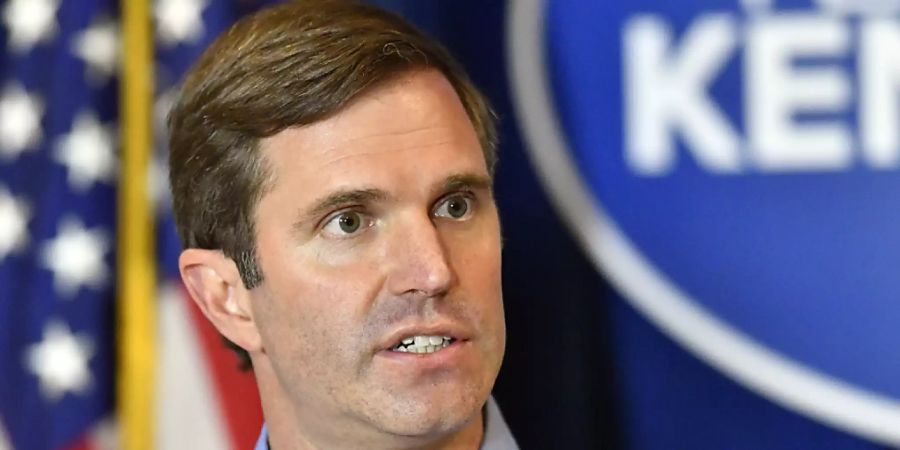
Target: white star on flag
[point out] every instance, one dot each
(4, 440)
(158, 182)
(158, 176)
(179, 20)
(29, 22)
(161, 107)
(20, 121)
(756, 5)
(75, 256)
(88, 152)
(98, 47)
(60, 361)
(14, 215)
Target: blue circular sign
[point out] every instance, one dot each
(733, 168)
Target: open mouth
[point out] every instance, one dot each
(423, 344)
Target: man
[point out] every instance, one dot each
(331, 170)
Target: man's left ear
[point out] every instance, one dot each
(215, 285)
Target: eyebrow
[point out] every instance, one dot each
(463, 181)
(340, 199)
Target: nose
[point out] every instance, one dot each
(418, 261)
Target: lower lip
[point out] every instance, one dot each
(445, 357)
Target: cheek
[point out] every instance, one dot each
(481, 271)
(318, 290)
(312, 305)
(310, 335)
(478, 267)
(476, 253)
(319, 278)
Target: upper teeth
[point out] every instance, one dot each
(423, 344)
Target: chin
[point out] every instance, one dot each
(431, 416)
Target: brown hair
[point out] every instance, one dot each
(288, 65)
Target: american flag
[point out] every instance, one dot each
(59, 171)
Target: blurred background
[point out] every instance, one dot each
(698, 207)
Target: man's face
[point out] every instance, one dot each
(380, 226)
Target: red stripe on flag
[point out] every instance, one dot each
(236, 389)
(83, 443)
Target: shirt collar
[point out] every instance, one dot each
(263, 442)
(496, 433)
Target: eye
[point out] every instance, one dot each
(454, 207)
(346, 224)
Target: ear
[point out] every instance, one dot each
(215, 285)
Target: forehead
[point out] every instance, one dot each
(413, 125)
